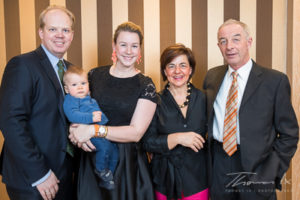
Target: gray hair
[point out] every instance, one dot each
(233, 21)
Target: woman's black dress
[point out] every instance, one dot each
(117, 97)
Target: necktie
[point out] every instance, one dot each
(229, 136)
(61, 71)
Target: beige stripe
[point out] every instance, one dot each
(279, 35)
(248, 16)
(27, 25)
(119, 12)
(215, 19)
(152, 42)
(183, 15)
(58, 2)
(2, 40)
(89, 34)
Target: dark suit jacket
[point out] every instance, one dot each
(268, 125)
(32, 120)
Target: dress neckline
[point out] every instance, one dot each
(129, 77)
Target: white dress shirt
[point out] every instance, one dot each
(220, 102)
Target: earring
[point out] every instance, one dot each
(114, 56)
(139, 60)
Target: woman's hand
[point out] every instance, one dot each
(88, 146)
(188, 139)
(80, 135)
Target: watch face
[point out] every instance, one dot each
(102, 129)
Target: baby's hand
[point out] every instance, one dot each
(97, 116)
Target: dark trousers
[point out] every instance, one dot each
(107, 154)
(229, 180)
(66, 190)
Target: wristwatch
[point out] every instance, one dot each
(100, 131)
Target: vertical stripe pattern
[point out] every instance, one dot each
(74, 53)
(89, 34)
(199, 39)
(264, 33)
(248, 16)
(230, 119)
(12, 28)
(27, 25)
(105, 32)
(274, 26)
(164, 22)
(136, 15)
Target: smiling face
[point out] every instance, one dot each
(77, 85)
(234, 45)
(57, 34)
(127, 48)
(178, 71)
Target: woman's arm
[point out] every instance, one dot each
(188, 139)
(140, 121)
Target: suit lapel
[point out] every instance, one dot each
(45, 63)
(253, 82)
(218, 81)
(50, 73)
(214, 83)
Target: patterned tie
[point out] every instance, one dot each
(229, 136)
(61, 71)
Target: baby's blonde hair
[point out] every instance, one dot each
(73, 70)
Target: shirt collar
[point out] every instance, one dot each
(243, 72)
(53, 59)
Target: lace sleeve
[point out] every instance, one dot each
(149, 91)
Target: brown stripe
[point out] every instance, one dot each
(75, 50)
(39, 5)
(12, 28)
(199, 40)
(136, 15)
(167, 27)
(104, 16)
(264, 33)
(231, 9)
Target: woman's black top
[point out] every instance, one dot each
(180, 169)
(117, 98)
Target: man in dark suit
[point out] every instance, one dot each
(252, 128)
(34, 160)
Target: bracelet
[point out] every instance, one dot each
(96, 126)
(100, 131)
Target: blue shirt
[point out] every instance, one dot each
(80, 110)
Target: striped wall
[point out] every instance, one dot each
(191, 22)
(273, 24)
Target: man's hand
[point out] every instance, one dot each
(49, 187)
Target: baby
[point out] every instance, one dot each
(79, 107)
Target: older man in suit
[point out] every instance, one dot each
(252, 128)
(35, 161)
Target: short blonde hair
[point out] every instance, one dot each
(73, 70)
(56, 7)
